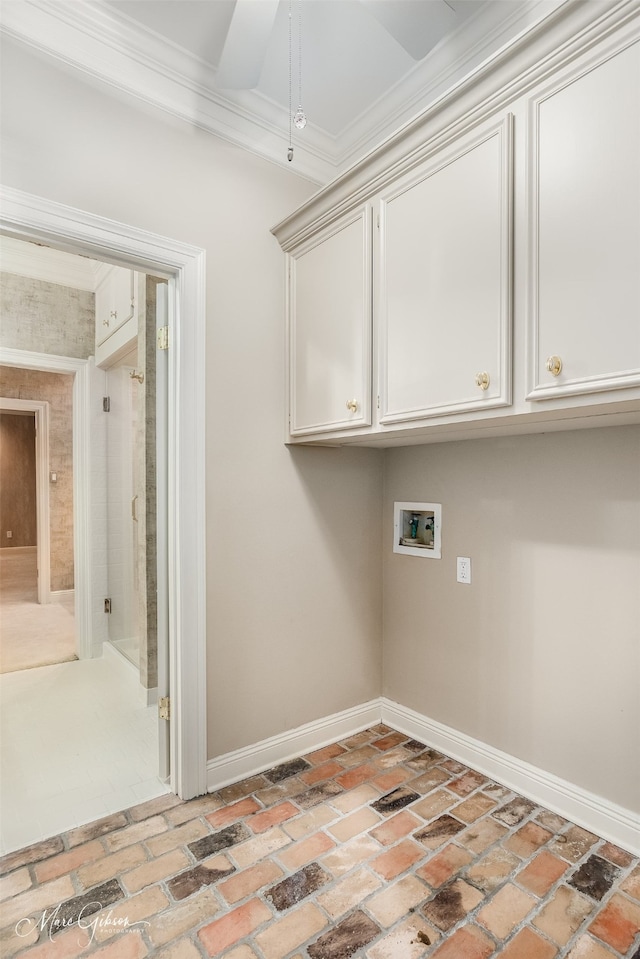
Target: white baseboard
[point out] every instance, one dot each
(147, 697)
(242, 763)
(606, 819)
(8, 550)
(618, 825)
(57, 595)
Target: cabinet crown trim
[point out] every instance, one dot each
(566, 33)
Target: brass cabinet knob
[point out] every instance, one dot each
(352, 406)
(483, 380)
(554, 365)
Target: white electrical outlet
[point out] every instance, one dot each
(9, 534)
(464, 569)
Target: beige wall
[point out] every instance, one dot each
(540, 655)
(46, 317)
(293, 577)
(57, 390)
(18, 513)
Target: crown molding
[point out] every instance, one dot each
(570, 30)
(111, 48)
(119, 51)
(478, 39)
(44, 263)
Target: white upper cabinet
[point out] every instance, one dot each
(504, 257)
(584, 260)
(445, 281)
(115, 302)
(330, 329)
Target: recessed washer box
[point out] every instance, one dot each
(417, 529)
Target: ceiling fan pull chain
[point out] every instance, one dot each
(290, 150)
(300, 118)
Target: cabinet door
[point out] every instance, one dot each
(114, 303)
(330, 329)
(103, 311)
(445, 295)
(584, 260)
(122, 297)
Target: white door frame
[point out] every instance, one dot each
(26, 217)
(40, 409)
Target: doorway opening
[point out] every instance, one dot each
(110, 760)
(36, 594)
(181, 604)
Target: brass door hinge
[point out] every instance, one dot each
(163, 338)
(164, 707)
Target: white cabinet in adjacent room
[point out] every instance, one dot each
(330, 328)
(584, 240)
(120, 306)
(115, 301)
(445, 281)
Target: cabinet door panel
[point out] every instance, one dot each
(114, 302)
(330, 332)
(446, 301)
(584, 149)
(103, 312)
(123, 298)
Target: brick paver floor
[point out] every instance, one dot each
(375, 847)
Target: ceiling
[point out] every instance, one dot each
(349, 56)
(363, 67)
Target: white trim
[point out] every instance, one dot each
(606, 819)
(58, 595)
(40, 408)
(27, 216)
(102, 42)
(50, 363)
(494, 85)
(146, 697)
(241, 763)
(8, 550)
(109, 651)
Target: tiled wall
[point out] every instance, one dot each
(46, 318)
(57, 389)
(18, 513)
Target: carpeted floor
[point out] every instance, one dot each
(30, 634)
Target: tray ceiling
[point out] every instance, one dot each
(367, 66)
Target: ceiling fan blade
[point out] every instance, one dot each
(244, 50)
(417, 27)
